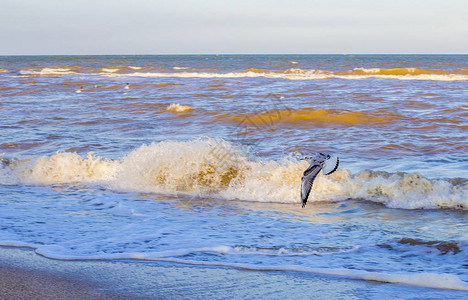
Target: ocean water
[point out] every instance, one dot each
(196, 160)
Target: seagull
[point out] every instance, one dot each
(79, 90)
(328, 163)
(127, 86)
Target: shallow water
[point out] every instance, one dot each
(195, 159)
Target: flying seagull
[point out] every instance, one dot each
(328, 163)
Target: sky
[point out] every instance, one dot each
(86, 27)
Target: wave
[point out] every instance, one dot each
(217, 169)
(47, 71)
(309, 116)
(177, 108)
(402, 71)
(61, 168)
(299, 74)
(109, 70)
(289, 74)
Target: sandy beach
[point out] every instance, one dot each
(17, 283)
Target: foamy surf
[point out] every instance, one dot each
(215, 168)
(178, 108)
(290, 74)
(358, 73)
(300, 74)
(109, 70)
(47, 71)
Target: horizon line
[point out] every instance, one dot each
(234, 54)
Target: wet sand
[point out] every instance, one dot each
(17, 283)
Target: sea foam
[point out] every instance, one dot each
(215, 168)
(289, 74)
(299, 74)
(175, 107)
(47, 71)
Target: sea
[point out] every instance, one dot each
(196, 160)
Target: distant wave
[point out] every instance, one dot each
(109, 70)
(299, 74)
(175, 107)
(215, 168)
(289, 74)
(47, 71)
(402, 71)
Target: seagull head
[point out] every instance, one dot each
(319, 158)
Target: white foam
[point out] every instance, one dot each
(47, 71)
(289, 74)
(109, 70)
(299, 74)
(247, 74)
(64, 167)
(176, 107)
(214, 168)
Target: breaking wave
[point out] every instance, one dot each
(402, 71)
(47, 71)
(299, 74)
(217, 169)
(290, 74)
(175, 107)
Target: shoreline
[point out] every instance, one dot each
(18, 283)
(155, 280)
(23, 274)
(27, 275)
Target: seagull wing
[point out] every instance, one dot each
(331, 165)
(308, 180)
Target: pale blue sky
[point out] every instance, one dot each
(232, 26)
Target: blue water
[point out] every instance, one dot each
(196, 160)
